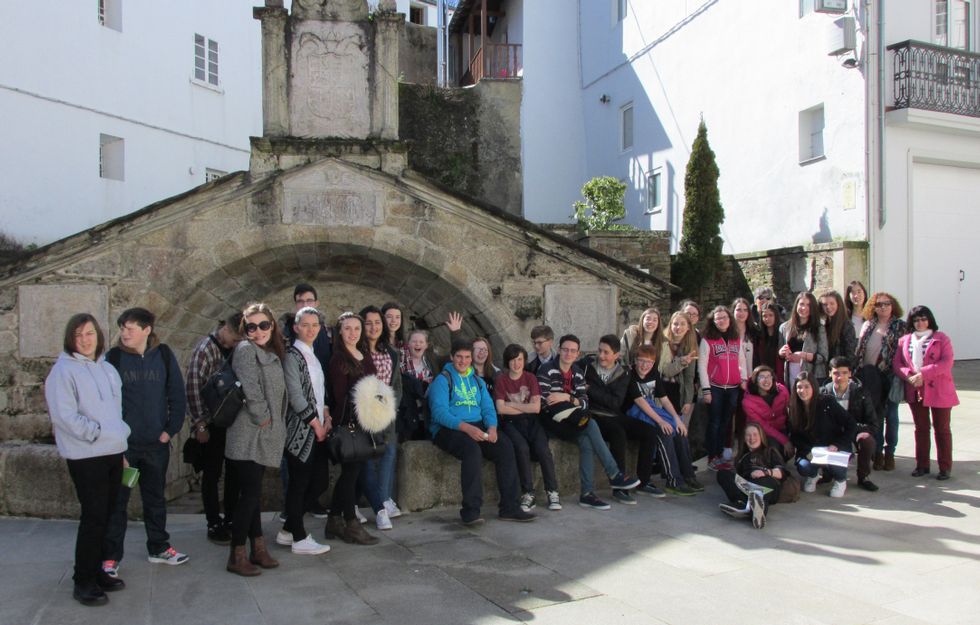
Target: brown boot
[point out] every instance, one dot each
(879, 461)
(335, 528)
(889, 461)
(238, 563)
(357, 535)
(260, 555)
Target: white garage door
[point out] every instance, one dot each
(945, 265)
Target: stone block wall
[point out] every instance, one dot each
(417, 54)
(467, 139)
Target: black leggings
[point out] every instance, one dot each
(246, 522)
(726, 479)
(344, 497)
(300, 474)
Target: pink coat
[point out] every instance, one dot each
(938, 389)
(772, 419)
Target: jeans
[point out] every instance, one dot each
(527, 435)
(152, 464)
(245, 521)
(97, 482)
(214, 463)
(377, 476)
(720, 411)
(808, 469)
(589, 442)
(471, 454)
(887, 437)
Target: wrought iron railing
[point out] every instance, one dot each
(935, 78)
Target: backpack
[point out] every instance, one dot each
(223, 395)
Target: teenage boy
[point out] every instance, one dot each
(565, 414)
(607, 382)
(207, 359)
(464, 424)
(543, 341)
(851, 396)
(153, 404)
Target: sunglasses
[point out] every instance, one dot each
(882, 304)
(252, 327)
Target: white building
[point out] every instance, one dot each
(122, 104)
(790, 94)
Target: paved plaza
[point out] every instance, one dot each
(908, 554)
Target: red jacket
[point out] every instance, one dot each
(938, 389)
(771, 418)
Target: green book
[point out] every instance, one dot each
(131, 475)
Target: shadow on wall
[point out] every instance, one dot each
(822, 235)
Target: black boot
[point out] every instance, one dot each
(89, 594)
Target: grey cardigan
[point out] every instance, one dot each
(816, 346)
(260, 373)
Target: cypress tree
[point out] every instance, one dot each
(700, 255)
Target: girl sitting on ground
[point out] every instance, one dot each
(759, 464)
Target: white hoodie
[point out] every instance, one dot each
(85, 403)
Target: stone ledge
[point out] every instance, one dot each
(34, 482)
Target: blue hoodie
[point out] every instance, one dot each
(85, 403)
(471, 402)
(153, 398)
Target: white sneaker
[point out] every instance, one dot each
(382, 520)
(527, 502)
(392, 509)
(309, 547)
(360, 517)
(554, 502)
(810, 485)
(838, 489)
(284, 538)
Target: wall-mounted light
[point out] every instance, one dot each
(605, 99)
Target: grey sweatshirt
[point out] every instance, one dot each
(85, 403)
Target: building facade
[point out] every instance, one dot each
(831, 120)
(124, 104)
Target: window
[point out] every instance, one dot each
(806, 7)
(111, 157)
(654, 191)
(110, 14)
(416, 15)
(811, 134)
(211, 175)
(952, 23)
(206, 60)
(626, 127)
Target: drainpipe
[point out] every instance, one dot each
(880, 19)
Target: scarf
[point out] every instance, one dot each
(918, 346)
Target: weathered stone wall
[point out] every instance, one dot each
(417, 54)
(197, 257)
(467, 139)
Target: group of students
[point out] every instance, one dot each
(776, 388)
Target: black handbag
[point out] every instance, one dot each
(349, 443)
(223, 396)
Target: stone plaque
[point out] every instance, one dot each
(329, 81)
(585, 310)
(44, 309)
(331, 208)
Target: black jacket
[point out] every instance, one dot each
(859, 406)
(605, 398)
(832, 425)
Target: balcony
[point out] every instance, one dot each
(933, 78)
(496, 60)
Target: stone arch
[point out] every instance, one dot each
(426, 296)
